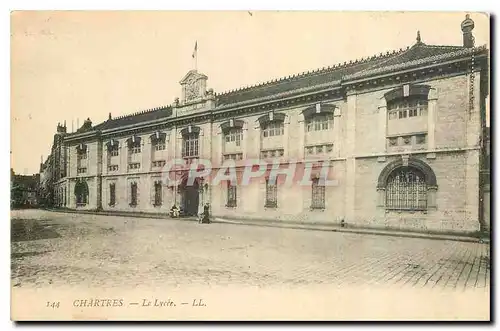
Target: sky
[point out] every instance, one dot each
(69, 66)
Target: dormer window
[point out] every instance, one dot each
(134, 145)
(113, 147)
(272, 125)
(159, 146)
(407, 107)
(271, 129)
(318, 126)
(81, 151)
(158, 141)
(233, 135)
(81, 159)
(319, 122)
(407, 124)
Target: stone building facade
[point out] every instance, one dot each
(52, 171)
(401, 132)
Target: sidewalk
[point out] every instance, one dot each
(336, 228)
(290, 225)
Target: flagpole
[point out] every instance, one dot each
(195, 56)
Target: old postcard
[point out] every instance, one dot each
(250, 165)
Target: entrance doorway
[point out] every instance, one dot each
(191, 199)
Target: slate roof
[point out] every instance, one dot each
(319, 77)
(295, 84)
(144, 116)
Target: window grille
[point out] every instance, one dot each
(159, 163)
(231, 195)
(318, 195)
(158, 194)
(133, 194)
(271, 194)
(82, 194)
(134, 166)
(406, 190)
(112, 194)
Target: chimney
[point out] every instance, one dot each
(109, 118)
(467, 27)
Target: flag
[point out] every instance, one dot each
(195, 49)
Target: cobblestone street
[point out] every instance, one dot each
(51, 249)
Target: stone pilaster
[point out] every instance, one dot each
(382, 126)
(99, 175)
(337, 131)
(302, 137)
(431, 119)
(350, 148)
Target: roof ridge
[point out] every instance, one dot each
(444, 46)
(401, 52)
(149, 110)
(322, 70)
(461, 51)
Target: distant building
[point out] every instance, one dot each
(52, 170)
(402, 132)
(24, 190)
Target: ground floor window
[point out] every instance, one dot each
(158, 194)
(231, 195)
(271, 194)
(406, 190)
(318, 195)
(81, 193)
(112, 194)
(133, 194)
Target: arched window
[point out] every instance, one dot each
(406, 190)
(81, 193)
(407, 184)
